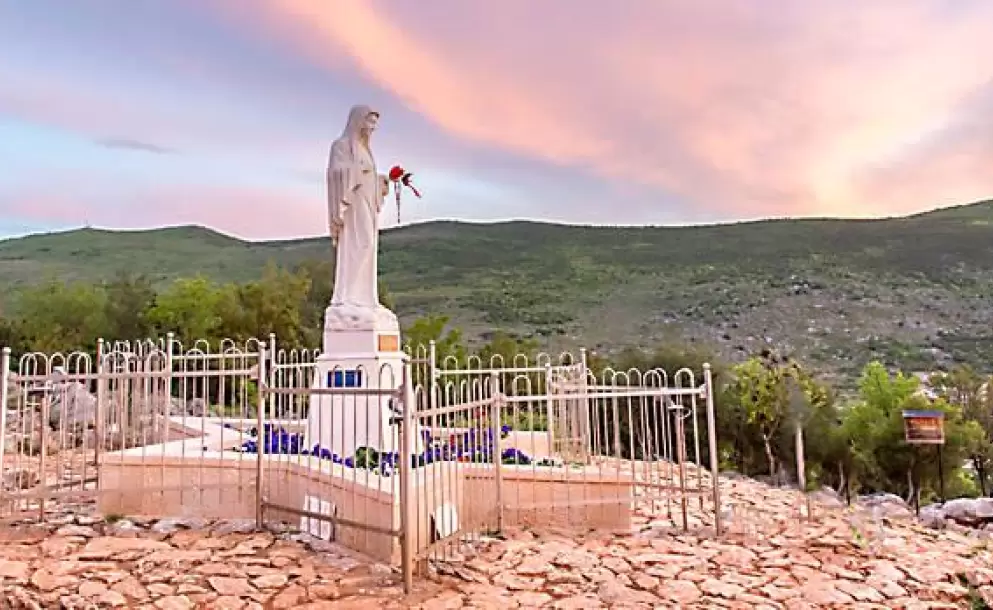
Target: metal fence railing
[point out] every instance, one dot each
(409, 460)
(66, 417)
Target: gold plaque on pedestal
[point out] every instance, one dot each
(388, 343)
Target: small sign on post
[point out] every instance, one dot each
(924, 427)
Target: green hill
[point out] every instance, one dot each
(915, 291)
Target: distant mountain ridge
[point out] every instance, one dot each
(912, 290)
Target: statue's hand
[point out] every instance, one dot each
(337, 224)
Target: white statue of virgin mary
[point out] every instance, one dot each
(355, 197)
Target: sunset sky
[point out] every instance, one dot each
(142, 113)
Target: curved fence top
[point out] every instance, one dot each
(521, 372)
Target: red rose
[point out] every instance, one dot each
(396, 172)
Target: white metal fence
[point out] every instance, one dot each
(65, 415)
(450, 448)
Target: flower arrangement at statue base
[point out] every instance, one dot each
(473, 446)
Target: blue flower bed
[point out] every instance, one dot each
(473, 446)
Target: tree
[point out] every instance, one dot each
(11, 335)
(882, 460)
(61, 317)
(762, 386)
(503, 349)
(961, 386)
(975, 443)
(129, 298)
(271, 304)
(192, 309)
(887, 393)
(969, 391)
(449, 342)
(873, 428)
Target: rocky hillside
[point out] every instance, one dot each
(914, 292)
(874, 555)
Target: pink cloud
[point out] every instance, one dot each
(733, 106)
(948, 166)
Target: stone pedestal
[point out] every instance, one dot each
(361, 351)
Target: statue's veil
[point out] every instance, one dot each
(356, 119)
(342, 176)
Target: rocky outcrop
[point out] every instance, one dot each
(72, 406)
(885, 506)
(968, 512)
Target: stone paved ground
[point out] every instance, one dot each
(864, 558)
(86, 564)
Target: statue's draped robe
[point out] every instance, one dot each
(355, 196)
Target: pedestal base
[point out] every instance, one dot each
(361, 352)
(343, 422)
(347, 329)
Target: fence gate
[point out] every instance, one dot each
(456, 491)
(330, 453)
